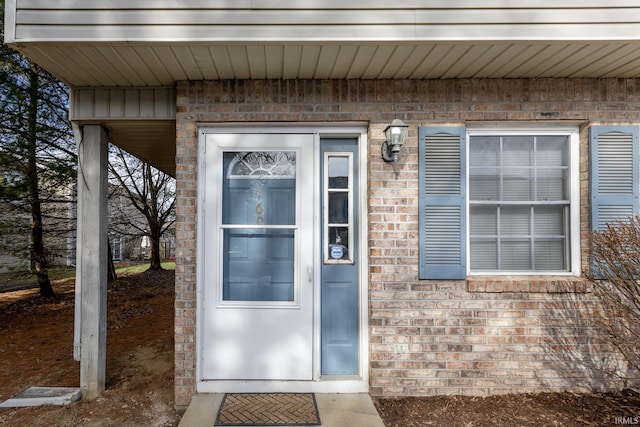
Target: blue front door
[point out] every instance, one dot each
(339, 272)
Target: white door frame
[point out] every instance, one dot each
(353, 384)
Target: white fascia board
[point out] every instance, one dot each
(9, 21)
(324, 4)
(333, 34)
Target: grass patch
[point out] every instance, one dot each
(56, 274)
(126, 269)
(68, 274)
(61, 274)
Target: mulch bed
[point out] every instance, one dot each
(541, 409)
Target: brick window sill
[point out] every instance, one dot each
(528, 284)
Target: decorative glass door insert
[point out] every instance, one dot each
(259, 226)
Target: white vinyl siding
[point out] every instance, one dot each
(322, 20)
(130, 103)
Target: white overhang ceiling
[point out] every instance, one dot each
(161, 64)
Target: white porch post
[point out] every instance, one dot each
(92, 259)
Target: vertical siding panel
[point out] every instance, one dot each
(132, 103)
(148, 104)
(165, 103)
(116, 106)
(101, 103)
(85, 104)
(145, 103)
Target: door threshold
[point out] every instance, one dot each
(325, 385)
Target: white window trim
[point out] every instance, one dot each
(327, 258)
(573, 134)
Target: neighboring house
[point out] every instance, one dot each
(14, 251)
(126, 228)
(14, 234)
(59, 216)
(304, 260)
(127, 248)
(15, 230)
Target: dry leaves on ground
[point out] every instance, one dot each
(36, 347)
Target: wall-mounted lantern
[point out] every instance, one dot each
(395, 134)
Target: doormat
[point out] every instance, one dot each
(268, 409)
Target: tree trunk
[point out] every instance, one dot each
(154, 257)
(37, 251)
(112, 277)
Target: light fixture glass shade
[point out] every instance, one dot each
(395, 134)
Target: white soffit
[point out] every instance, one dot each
(138, 65)
(135, 44)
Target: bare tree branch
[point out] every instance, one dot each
(615, 276)
(150, 196)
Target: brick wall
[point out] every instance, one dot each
(474, 337)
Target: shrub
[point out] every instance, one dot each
(615, 276)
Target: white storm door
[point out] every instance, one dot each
(258, 257)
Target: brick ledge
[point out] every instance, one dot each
(552, 284)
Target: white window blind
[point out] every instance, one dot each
(519, 197)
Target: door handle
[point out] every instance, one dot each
(310, 272)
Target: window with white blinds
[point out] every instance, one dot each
(500, 199)
(520, 195)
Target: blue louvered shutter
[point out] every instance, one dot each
(442, 204)
(614, 174)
